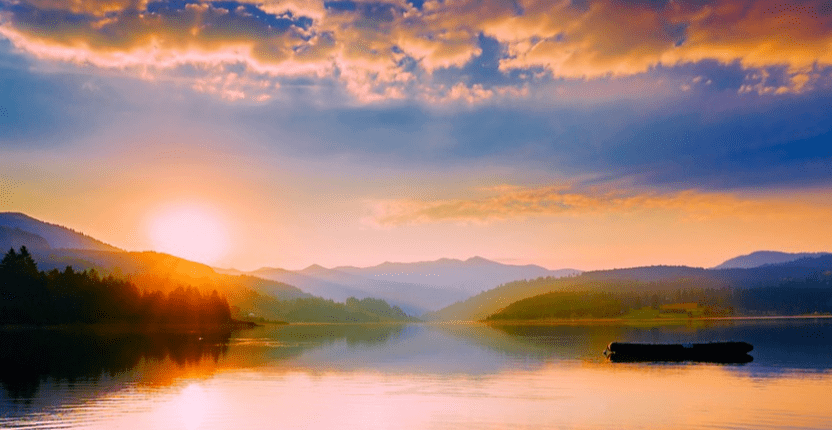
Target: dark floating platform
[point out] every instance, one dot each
(714, 352)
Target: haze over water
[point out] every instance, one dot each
(422, 376)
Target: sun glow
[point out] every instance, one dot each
(189, 231)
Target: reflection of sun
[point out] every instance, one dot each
(190, 406)
(189, 231)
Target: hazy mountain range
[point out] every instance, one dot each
(444, 289)
(415, 287)
(56, 236)
(762, 258)
(649, 279)
(56, 247)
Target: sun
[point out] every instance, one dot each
(191, 231)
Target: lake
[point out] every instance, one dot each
(417, 376)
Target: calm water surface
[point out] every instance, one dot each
(413, 377)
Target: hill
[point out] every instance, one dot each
(415, 287)
(315, 309)
(470, 276)
(15, 238)
(640, 279)
(31, 296)
(55, 247)
(248, 295)
(163, 272)
(812, 295)
(55, 235)
(332, 284)
(762, 258)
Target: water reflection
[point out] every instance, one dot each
(30, 357)
(389, 376)
(779, 345)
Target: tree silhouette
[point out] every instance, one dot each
(28, 296)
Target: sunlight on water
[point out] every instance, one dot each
(557, 396)
(395, 381)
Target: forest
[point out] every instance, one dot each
(612, 299)
(316, 309)
(30, 296)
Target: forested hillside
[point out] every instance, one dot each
(30, 296)
(254, 306)
(809, 296)
(663, 281)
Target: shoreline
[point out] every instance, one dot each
(648, 321)
(149, 328)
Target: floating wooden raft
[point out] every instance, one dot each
(714, 352)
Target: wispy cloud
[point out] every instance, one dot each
(382, 50)
(511, 202)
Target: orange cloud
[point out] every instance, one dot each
(369, 45)
(94, 7)
(612, 38)
(519, 202)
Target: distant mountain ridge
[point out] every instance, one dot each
(55, 235)
(415, 287)
(15, 238)
(650, 278)
(444, 289)
(762, 258)
(55, 248)
(471, 275)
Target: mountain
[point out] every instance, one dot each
(312, 285)
(415, 299)
(811, 295)
(54, 248)
(15, 238)
(415, 287)
(55, 235)
(762, 258)
(471, 276)
(487, 302)
(164, 272)
(638, 279)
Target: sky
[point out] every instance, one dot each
(588, 134)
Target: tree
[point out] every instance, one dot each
(28, 296)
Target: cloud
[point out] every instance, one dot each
(381, 50)
(623, 38)
(513, 202)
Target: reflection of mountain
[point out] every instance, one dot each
(302, 337)
(29, 357)
(779, 345)
(540, 343)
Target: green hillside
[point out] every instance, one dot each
(653, 280)
(812, 295)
